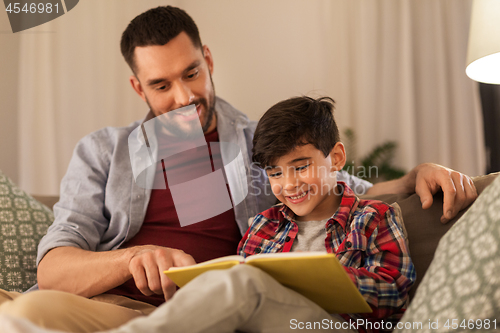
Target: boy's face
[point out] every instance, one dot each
(305, 181)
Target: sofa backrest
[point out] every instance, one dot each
(424, 226)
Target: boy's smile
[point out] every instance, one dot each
(305, 181)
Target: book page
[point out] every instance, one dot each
(232, 258)
(182, 275)
(318, 276)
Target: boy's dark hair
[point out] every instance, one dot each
(295, 122)
(157, 26)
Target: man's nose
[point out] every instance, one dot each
(183, 95)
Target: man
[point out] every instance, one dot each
(112, 238)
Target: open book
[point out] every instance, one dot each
(318, 276)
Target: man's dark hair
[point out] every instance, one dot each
(157, 26)
(295, 122)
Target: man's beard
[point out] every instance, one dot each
(179, 131)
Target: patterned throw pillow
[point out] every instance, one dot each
(461, 289)
(23, 222)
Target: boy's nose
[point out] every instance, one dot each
(291, 184)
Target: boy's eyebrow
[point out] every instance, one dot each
(191, 66)
(299, 159)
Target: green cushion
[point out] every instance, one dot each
(461, 289)
(23, 222)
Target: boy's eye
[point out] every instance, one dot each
(274, 174)
(302, 167)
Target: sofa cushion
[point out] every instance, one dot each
(424, 226)
(23, 222)
(461, 290)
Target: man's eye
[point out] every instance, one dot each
(193, 75)
(162, 88)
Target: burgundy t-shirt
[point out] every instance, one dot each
(212, 238)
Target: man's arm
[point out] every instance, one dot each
(92, 207)
(425, 180)
(89, 273)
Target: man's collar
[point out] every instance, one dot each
(149, 116)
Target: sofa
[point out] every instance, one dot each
(24, 219)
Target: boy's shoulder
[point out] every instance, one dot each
(367, 213)
(356, 205)
(267, 222)
(274, 213)
(373, 206)
(371, 215)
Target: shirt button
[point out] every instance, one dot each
(348, 244)
(287, 239)
(258, 250)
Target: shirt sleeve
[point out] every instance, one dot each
(385, 272)
(80, 216)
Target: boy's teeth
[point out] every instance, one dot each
(299, 196)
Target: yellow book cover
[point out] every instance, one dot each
(318, 276)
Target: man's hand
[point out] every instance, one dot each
(459, 190)
(148, 263)
(425, 180)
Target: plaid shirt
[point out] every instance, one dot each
(366, 237)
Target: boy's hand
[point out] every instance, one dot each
(459, 190)
(147, 265)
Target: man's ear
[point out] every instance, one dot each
(136, 85)
(208, 58)
(338, 156)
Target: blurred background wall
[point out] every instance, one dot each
(396, 69)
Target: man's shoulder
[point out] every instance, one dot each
(109, 135)
(224, 109)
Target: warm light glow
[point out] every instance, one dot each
(486, 69)
(483, 56)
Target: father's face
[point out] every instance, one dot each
(174, 75)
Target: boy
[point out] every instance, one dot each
(297, 143)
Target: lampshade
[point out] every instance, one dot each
(483, 55)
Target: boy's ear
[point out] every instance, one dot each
(338, 156)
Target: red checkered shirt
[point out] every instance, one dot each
(367, 238)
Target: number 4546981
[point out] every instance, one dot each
(32, 8)
(471, 324)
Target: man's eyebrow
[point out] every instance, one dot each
(191, 66)
(154, 82)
